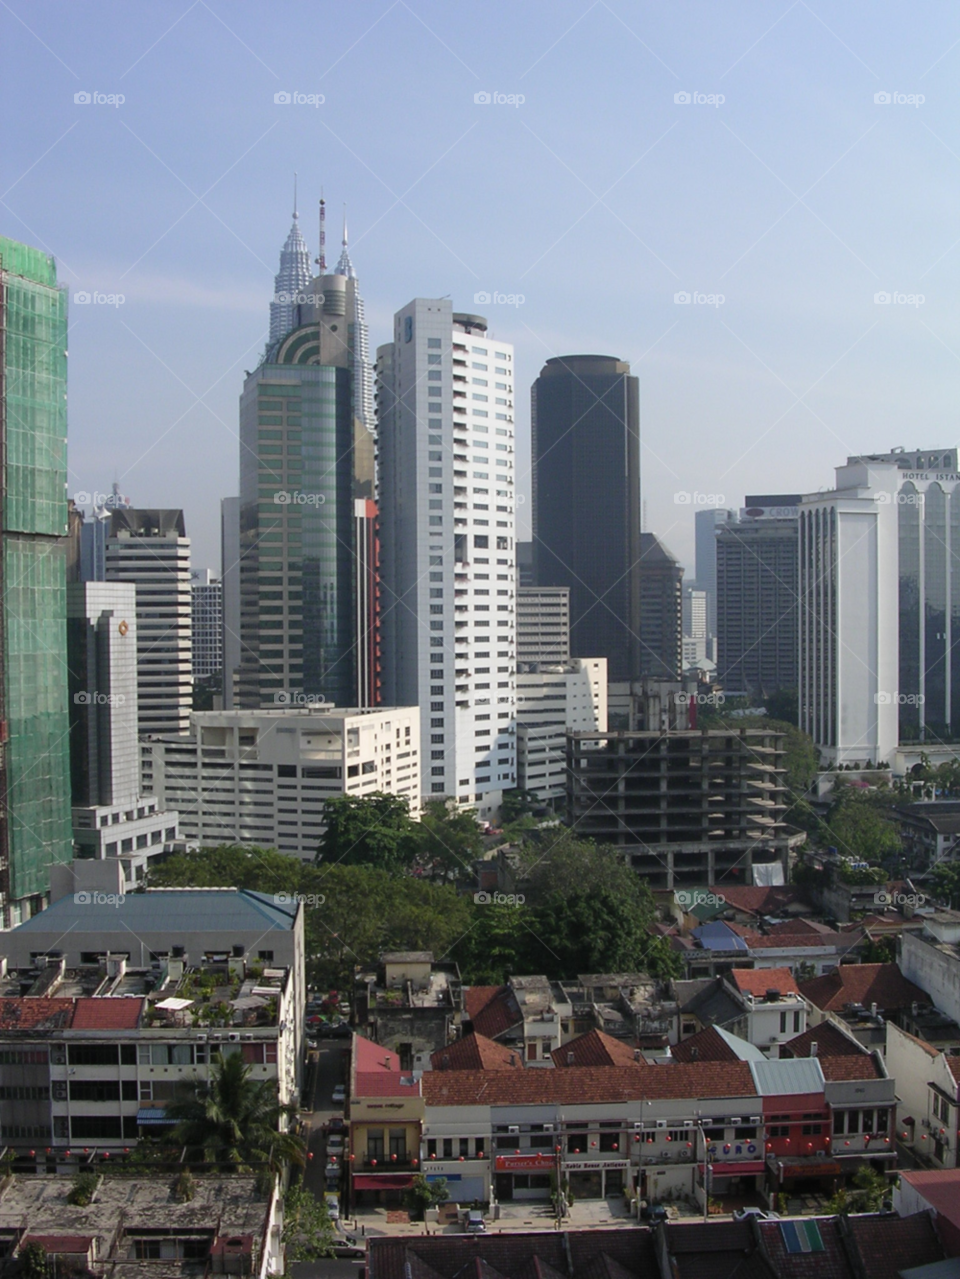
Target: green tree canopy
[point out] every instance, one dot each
(448, 839)
(233, 1120)
(858, 830)
(367, 830)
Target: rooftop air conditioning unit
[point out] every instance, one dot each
(661, 1123)
(756, 1119)
(638, 1125)
(548, 1127)
(216, 1034)
(513, 1127)
(202, 1039)
(234, 1037)
(249, 1036)
(688, 1123)
(735, 1119)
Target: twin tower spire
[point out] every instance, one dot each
(295, 274)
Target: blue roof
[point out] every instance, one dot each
(717, 936)
(181, 910)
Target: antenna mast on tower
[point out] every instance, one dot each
(322, 259)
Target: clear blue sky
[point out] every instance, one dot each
(598, 198)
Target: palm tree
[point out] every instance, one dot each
(234, 1121)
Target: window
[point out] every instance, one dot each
(779, 1130)
(431, 1146)
(715, 1134)
(853, 1121)
(94, 1090)
(87, 1127)
(796, 1023)
(839, 1123)
(398, 1142)
(448, 1147)
(609, 1141)
(434, 343)
(92, 1054)
(783, 1023)
(744, 1134)
(481, 540)
(375, 1143)
(464, 1146)
(811, 1130)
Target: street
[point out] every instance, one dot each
(324, 1075)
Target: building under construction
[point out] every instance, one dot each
(686, 807)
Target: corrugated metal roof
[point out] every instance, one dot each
(186, 910)
(779, 1077)
(717, 936)
(744, 1050)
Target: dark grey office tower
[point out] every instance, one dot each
(757, 584)
(525, 573)
(661, 610)
(586, 502)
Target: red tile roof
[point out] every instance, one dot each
(953, 1065)
(889, 1244)
(476, 1052)
(476, 998)
(588, 1084)
(493, 1010)
(369, 1057)
(715, 1250)
(790, 927)
(107, 1014)
(376, 1072)
(35, 1014)
(836, 1069)
(791, 941)
(574, 1254)
(706, 1045)
(757, 981)
(880, 984)
(832, 1263)
(940, 1187)
(60, 1243)
(594, 1049)
(756, 900)
(830, 1040)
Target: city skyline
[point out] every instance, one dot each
(789, 199)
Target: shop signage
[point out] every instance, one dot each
(525, 1163)
(594, 1165)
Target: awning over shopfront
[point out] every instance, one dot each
(745, 1168)
(152, 1115)
(389, 1181)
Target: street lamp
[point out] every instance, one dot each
(706, 1173)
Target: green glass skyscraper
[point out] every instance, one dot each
(35, 829)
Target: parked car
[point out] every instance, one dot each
(333, 1206)
(348, 1250)
(337, 1124)
(339, 1095)
(335, 1144)
(654, 1213)
(474, 1224)
(744, 1214)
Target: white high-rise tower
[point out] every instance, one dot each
(446, 440)
(292, 280)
